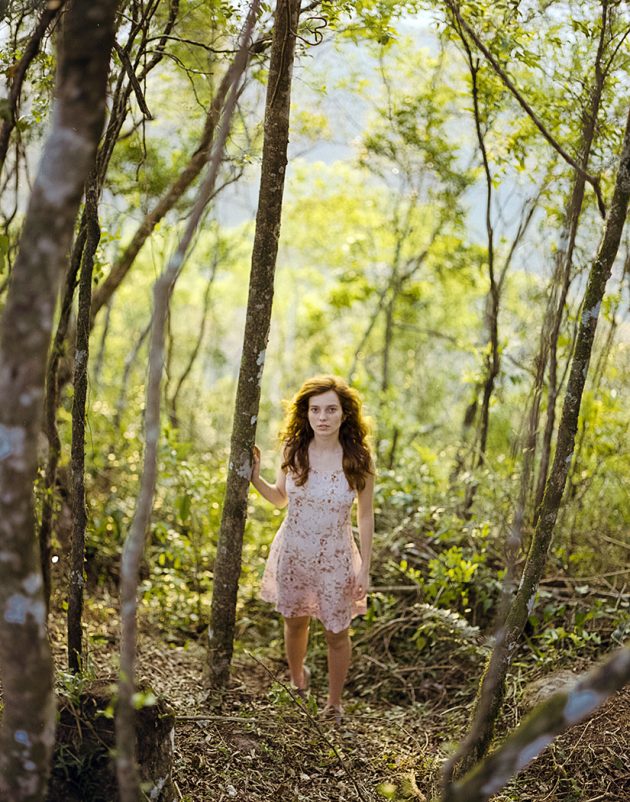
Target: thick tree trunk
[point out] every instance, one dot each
(561, 711)
(227, 567)
(81, 358)
(126, 768)
(28, 720)
(492, 686)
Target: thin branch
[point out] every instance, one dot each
(133, 80)
(18, 74)
(194, 43)
(594, 181)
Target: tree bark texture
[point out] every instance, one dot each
(81, 358)
(51, 402)
(126, 768)
(227, 566)
(524, 599)
(561, 711)
(561, 279)
(28, 721)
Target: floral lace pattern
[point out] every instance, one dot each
(314, 561)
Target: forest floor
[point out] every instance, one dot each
(259, 744)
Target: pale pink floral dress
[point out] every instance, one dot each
(314, 560)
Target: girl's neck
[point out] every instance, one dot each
(325, 445)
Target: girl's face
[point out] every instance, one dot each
(325, 413)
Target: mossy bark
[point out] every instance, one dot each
(79, 402)
(28, 720)
(227, 567)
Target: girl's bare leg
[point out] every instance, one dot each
(295, 643)
(339, 653)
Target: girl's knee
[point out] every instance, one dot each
(337, 639)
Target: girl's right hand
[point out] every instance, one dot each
(256, 454)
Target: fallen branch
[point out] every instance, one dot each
(558, 713)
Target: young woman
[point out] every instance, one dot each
(314, 568)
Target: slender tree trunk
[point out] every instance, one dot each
(102, 345)
(51, 403)
(28, 720)
(552, 717)
(129, 363)
(551, 324)
(81, 360)
(55, 379)
(172, 403)
(562, 279)
(491, 692)
(127, 773)
(493, 361)
(227, 566)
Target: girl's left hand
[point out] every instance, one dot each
(361, 584)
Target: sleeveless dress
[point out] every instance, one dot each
(314, 560)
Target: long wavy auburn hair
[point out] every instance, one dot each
(297, 432)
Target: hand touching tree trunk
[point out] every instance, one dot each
(227, 566)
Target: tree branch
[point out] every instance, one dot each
(594, 181)
(558, 713)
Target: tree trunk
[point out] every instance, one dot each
(51, 402)
(493, 362)
(127, 772)
(192, 358)
(124, 382)
(28, 721)
(489, 703)
(56, 375)
(227, 566)
(561, 281)
(81, 359)
(558, 713)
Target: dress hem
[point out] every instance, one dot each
(314, 613)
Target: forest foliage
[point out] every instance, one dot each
(425, 215)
